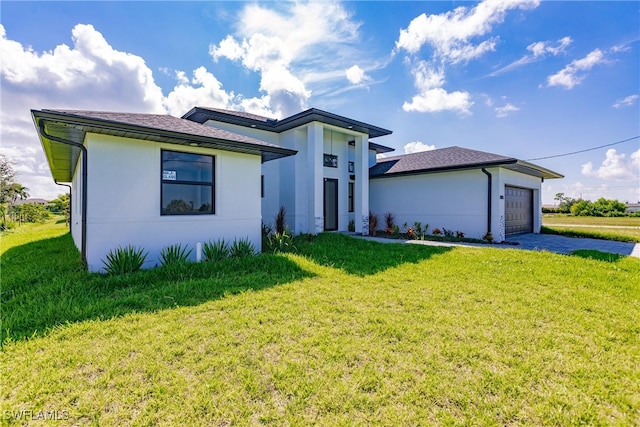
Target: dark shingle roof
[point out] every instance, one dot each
(73, 125)
(163, 122)
(443, 158)
(192, 115)
(451, 158)
(202, 114)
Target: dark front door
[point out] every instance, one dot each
(330, 204)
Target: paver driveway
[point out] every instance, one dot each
(540, 242)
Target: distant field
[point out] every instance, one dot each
(557, 219)
(626, 229)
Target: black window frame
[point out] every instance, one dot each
(211, 184)
(351, 197)
(330, 160)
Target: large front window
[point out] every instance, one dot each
(187, 184)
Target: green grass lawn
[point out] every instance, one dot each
(348, 332)
(625, 229)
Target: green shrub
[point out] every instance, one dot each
(215, 250)
(601, 207)
(280, 242)
(124, 260)
(242, 248)
(175, 254)
(31, 212)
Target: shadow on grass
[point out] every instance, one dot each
(362, 257)
(44, 285)
(597, 255)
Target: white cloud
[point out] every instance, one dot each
(505, 110)
(450, 33)
(626, 102)
(432, 97)
(282, 44)
(438, 99)
(453, 39)
(615, 167)
(202, 90)
(539, 50)
(542, 48)
(417, 146)
(571, 75)
(83, 73)
(89, 74)
(356, 75)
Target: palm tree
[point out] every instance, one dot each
(18, 190)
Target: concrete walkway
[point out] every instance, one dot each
(537, 242)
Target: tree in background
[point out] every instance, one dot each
(565, 203)
(601, 207)
(31, 212)
(10, 189)
(7, 179)
(61, 204)
(18, 191)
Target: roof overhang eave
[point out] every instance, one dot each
(534, 170)
(316, 115)
(77, 127)
(511, 164)
(445, 169)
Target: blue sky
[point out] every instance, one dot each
(526, 79)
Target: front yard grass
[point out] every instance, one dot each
(348, 332)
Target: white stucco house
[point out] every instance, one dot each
(156, 180)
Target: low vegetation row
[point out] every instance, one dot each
(580, 207)
(416, 231)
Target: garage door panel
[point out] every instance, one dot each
(518, 210)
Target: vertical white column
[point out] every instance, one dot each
(362, 185)
(315, 184)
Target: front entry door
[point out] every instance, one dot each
(330, 204)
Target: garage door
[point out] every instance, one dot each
(518, 210)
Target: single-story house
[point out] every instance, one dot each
(33, 200)
(632, 208)
(155, 180)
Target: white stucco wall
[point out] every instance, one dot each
(297, 182)
(124, 199)
(454, 200)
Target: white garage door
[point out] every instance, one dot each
(518, 210)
